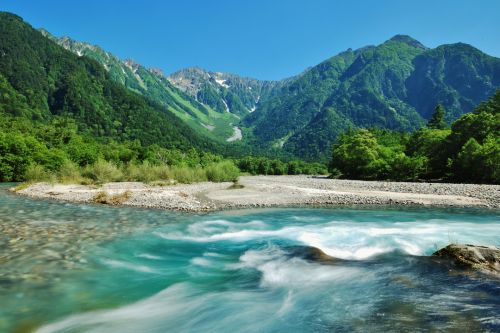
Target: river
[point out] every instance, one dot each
(90, 268)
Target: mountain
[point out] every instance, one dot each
(394, 85)
(223, 92)
(41, 81)
(153, 84)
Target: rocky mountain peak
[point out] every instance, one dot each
(408, 40)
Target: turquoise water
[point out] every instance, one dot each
(237, 271)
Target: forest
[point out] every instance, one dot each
(468, 151)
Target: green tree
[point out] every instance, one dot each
(14, 157)
(437, 119)
(431, 144)
(478, 163)
(356, 154)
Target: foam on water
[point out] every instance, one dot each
(279, 270)
(200, 261)
(346, 239)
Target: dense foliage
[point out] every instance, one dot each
(31, 151)
(467, 152)
(267, 166)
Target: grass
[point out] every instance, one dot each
(187, 175)
(37, 173)
(21, 186)
(105, 171)
(147, 173)
(69, 173)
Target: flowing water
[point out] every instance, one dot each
(88, 268)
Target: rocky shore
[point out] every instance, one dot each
(272, 191)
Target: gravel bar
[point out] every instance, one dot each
(276, 191)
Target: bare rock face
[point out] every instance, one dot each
(472, 256)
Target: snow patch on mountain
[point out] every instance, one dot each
(222, 83)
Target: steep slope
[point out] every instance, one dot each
(394, 85)
(222, 91)
(458, 76)
(153, 84)
(49, 81)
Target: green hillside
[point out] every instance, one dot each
(41, 80)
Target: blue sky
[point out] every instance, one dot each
(266, 39)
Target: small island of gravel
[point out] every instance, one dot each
(272, 191)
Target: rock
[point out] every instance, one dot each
(310, 253)
(472, 256)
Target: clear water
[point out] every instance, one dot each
(154, 271)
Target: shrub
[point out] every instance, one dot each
(406, 168)
(103, 172)
(69, 173)
(146, 172)
(37, 173)
(224, 171)
(187, 175)
(105, 198)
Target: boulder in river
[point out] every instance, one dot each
(310, 253)
(485, 258)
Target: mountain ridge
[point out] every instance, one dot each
(394, 85)
(224, 92)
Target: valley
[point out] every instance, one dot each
(352, 185)
(395, 85)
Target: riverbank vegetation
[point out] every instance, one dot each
(468, 151)
(55, 151)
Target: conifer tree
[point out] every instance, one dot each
(437, 119)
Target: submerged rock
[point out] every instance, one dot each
(310, 253)
(472, 256)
